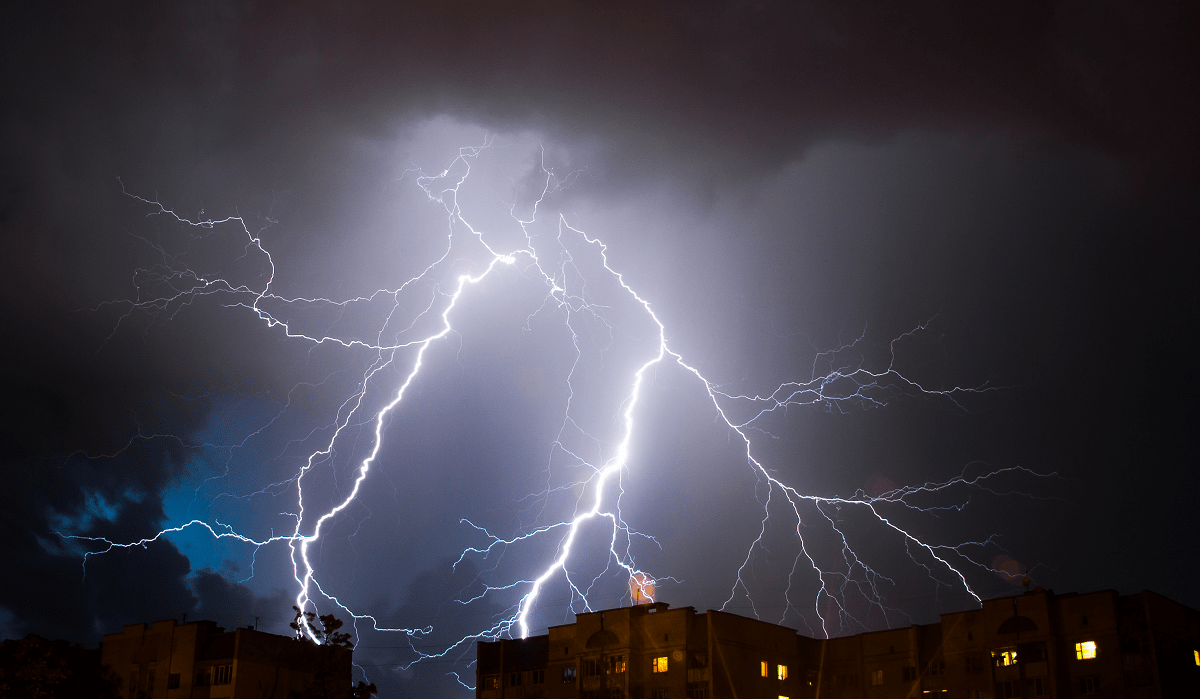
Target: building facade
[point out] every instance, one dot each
(1030, 646)
(201, 660)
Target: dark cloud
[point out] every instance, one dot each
(776, 177)
(721, 87)
(233, 605)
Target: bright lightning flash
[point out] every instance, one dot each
(555, 262)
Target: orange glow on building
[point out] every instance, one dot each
(641, 587)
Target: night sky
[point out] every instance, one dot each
(792, 188)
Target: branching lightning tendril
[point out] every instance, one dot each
(403, 349)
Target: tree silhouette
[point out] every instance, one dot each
(36, 667)
(326, 633)
(330, 642)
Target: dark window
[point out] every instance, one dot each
(223, 675)
(591, 667)
(1031, 653)
(1084, 620)
(698, 690)
(908, 673)
(537, 677)
(1138, 677)
(173, 681)
(937, 668)
(1088, 685)
(514, 678)
(1035, 687)
(568, 675)
(491, 682)
(202, 678)
(1007, 689)
(660, 693)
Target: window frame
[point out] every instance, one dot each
(1089, 685)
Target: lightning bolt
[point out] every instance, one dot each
(597, 467)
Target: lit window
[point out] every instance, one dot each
(763, 669)
(1004, 657)
(783, 697)
(1196, 653)
(1085, 650)
(877, 677)
(614, 664)
(659, 665)
(781, 672)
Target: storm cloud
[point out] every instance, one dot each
(775, 177)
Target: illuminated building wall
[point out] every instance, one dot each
(1034, 645)
(651, 650)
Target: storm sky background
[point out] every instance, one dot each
(776, 179)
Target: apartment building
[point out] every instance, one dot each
(1035, 645)
(201, 660)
